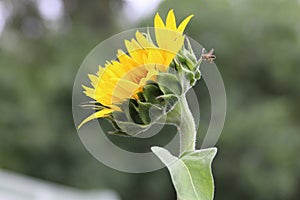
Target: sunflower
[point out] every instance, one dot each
(123, 78)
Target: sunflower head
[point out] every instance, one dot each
(144, 83)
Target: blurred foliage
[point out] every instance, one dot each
(257, 44)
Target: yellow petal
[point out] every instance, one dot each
(142, 40)
(126, 85)
(169, 40)
(136, 45)
(158, 22)
(159, 56)
(128, 62)
(90, 92)
(104, 100)
(118, 68)
(145, 59)
(155, 57)
(171, 21)
(100, 70)
(150, 76)
(169, 56)
(113, 69)
(95, 115)
(134, 51)
(94, 80)
(184, 23)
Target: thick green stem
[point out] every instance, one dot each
(186, 127)
(182, 117)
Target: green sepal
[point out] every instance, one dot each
(130, 110)
(141, 96)
(118, 116)
(187, 65)
(169, 84)
(149, 112)
(197, 74)
(170, 100)
(150, 92)
(181, 57)
(134, 111)
(189, 75)
(131, 128)
(111, 119)
(118, 133)
(190, 52)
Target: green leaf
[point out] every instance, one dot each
(191, 173)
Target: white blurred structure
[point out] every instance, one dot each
(135, 10)
(19, 187)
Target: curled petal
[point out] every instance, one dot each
(96, 115)
(184, 23)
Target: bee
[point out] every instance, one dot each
(208, 56)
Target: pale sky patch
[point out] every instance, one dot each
(136, 10)
(5, 12)
(52, 10)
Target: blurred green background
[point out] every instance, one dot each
(257, 44)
